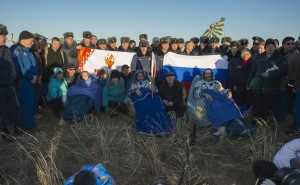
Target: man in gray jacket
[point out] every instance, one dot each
(69, 48)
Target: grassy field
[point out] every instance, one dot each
(56, 152)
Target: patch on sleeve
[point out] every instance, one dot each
(15, 53)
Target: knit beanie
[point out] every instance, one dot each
(270, 41)
(25, 35)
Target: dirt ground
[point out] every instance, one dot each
(54, 153)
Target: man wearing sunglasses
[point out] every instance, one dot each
(287, 82)
(9, 109)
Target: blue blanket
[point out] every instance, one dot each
(151, 116)
(220, 109)
(90, 88)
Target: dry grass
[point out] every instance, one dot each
(57, 152)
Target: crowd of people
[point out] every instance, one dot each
(265, 78)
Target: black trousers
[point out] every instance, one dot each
(179, 108)
(263, 104)
(10, 107)
(121, 108)
(56, 105)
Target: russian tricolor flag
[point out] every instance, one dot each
(186, 68)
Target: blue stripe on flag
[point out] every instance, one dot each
(185, 74)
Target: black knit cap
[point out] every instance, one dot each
(270, 41)
(25, 35)
(3, 30)
(114, 74)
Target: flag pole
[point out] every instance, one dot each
(153, 72)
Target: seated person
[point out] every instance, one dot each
(171, 92)
(82, 97)
(114, 94)
(57, 91)
(71, 75)
(141, 81)
(92, 174)
(102, 76)
(126, 75)
(150, 114)
(214, 103)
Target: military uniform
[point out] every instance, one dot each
(87, 35)
(111, 40)
(142, 61)
(127, 40)
(204, 42)
(160, 59)
(213, 51)
(101, 42)
(225, 48)
(256, 41)
(70, 50)
(243, 44)
(175, 41)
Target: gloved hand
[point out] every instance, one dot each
(268, 182)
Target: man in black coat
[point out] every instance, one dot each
(9, 109)
(171, 92)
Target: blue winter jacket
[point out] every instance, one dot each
(26, 66)
(56, 88)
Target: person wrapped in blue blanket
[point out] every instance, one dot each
(151, 116)
(92, 174)
(216, 105)
(82, 97)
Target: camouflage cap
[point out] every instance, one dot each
(101, 41)
(3, 30)
(111, 40)
(204, 39)
(257, 39)
(143, 43)
(87, 34)
(144, 36)
(195, 40)
(68, 34)
(243, 41)
(125, 39)
(226, 39)
(214, 39)
(181, 40)
(174, 40)
(164, 40)
(234, 44)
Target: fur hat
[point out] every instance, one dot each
(68, 34)
(270, 41)
(169, 74)
(25, 35)
(114, 74)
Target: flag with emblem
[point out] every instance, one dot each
(216, 29)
